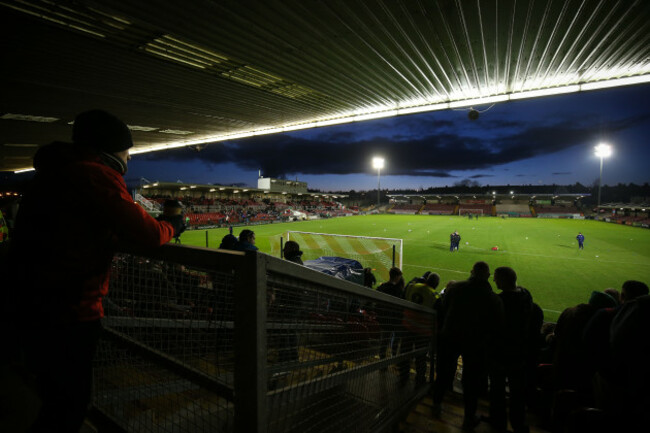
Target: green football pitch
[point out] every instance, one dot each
(543, 252)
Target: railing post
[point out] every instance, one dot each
(251, 377)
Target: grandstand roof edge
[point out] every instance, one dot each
(230, 188)
(486, 195)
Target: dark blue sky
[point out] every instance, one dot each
(536, 141)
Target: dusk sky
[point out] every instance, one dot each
(537, 141)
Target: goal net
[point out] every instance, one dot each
(468, 211)
(371, 252)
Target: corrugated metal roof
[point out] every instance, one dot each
(201, 71)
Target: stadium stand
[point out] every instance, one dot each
(438, 209)
(631, 220)
(405, 209)
(487, 209)
(513, 210)
(204, 211)
(551, 210)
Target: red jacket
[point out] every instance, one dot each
(67, 229)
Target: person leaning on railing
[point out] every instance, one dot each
(58, 282)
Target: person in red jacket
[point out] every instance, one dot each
(59, 283)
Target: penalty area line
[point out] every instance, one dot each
(433, 267)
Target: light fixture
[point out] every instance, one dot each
(378, 163)
(603, 150)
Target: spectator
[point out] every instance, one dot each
(422, 279)
(58, 287)
(228, 242)
(472, 318)
(246, 241)
(547, 341)
(423, 292)
(417, 326)
(572, 367)
(369, 279)
(287, 304)
(395, 285)
(614, 294)
(631, 356)
(389, 320)
(292, 252)
(512, 352)
(597, 344)
(174, 209)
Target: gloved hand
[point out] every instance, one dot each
(177, 222)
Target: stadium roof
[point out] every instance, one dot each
(631, 206)
(182, 188)
(192, 72)
(490, 195)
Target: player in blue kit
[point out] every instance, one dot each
(581, 240)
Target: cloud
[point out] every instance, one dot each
(561, 173)
(413, 147)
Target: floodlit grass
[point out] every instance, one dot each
(543, 252)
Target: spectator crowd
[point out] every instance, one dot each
(586, 373)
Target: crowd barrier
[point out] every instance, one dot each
(200, 340)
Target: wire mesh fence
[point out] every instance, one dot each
(331, 356)
(340, 361)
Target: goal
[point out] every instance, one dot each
(472, 211)
(380, 254)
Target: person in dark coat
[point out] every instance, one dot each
(389, 319)
(228, 242)
(57, 287)
(630, 345)
(292, 252)
(572, 367)
(456, 240)
(369, 279)
(472, 318)
(172, 208)
(511, 353)
(596, 338)
(246, 241)
(416, 326)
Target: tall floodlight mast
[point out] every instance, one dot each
(378, 163)
(602, 151)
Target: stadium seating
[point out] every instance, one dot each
(206, 212)
(513, 210)
(470, 207)
(631, 220)
(405, 208)
(556, 209)
(438, 209)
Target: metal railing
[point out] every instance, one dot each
(200, 340)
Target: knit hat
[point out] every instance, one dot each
(102, 131)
